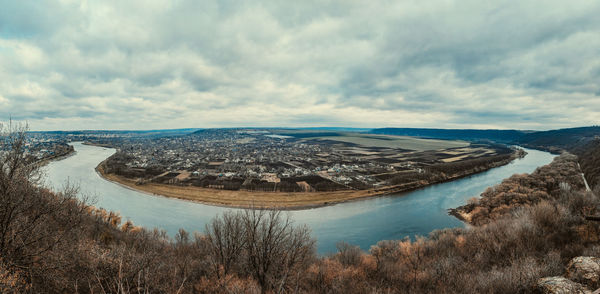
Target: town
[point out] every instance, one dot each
(292, 160)
(39, 147)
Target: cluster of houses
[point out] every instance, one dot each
(250, 155)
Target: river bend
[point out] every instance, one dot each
(362, 222)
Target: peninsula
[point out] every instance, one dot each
(292, 169)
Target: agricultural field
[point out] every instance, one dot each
(387, 141)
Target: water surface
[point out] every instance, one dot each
(362, 223)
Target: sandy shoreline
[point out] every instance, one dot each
(242, 199)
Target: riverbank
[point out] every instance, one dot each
(56, 157)
(279, 200)
(546, 182)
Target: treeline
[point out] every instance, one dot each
(57, 149)
(476, 164)
(236, 184)
(117, 164)
(289, 184)
(444, 171)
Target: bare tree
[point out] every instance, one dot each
(226, 237)
(264, 244)
(274, 247)
(33, 220)
(348, 255)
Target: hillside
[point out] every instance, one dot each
(545, 183)
(554, 141)
(502, 136)
(563, 139)
(589, 158)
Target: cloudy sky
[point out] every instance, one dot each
(171, 64)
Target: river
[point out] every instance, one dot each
(362, 222)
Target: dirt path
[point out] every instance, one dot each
(587, 187)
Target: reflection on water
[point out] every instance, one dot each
(363, 222)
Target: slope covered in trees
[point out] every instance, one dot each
(546, 182)
(563, 139)
(589, 158)
(553, 140)
(504, 136)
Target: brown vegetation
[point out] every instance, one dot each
(589, 158)
(53, 243)
(546, 182)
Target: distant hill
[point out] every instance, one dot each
(339, 129)
(554, 140)
(562, 139)
(130, 133)
(187, 130)
(502, 136)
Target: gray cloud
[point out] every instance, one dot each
(164, 64)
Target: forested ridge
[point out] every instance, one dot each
(555, 141)
(505, 136)
(528, 227)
